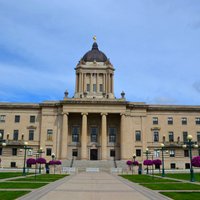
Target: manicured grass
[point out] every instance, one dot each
(182, 195)
(145, 179)
(42, 178)
(172, 186)
(9, 174)
(8, 195)
(184, 176)
(21, 185)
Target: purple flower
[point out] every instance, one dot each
(157, 162)
(52, 162)
(129, 162)
(148, 162)
(196, 161)
(30, 161)
(58, 162)
(41, 161)
(135, 162)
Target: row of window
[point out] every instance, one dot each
(170, 136)
(17, 118)
(112, 134)
(171, 153)
(94, 88)
(172, 165)
(170, 120)
(31, 134)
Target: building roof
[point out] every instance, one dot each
(94, 55)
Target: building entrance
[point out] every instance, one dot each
(93, 154)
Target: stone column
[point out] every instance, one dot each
(108, 83)
(112, 83)
(104, 137)
(76, 83)
(79, 82)
(84, 154)
(122, 137)
(97, 82)
(64, 136)
(91, 82)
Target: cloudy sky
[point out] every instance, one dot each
(154, 46)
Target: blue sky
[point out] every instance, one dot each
(154, 46)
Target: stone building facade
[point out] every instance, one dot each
(94, 125)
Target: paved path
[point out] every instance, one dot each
(93, 186)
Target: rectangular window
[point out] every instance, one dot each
(1, 134)
(88, 87)
(171, 136)
(17, 118)
(112, 134)
(170, 120)
(94, 134)
(14, 151)
(156, 136)
(31, 135)
(198, 136)
(186, 153)
(75, 133)
(138, 152)
(94, 87)
(197, 120)
(100, 87)
(48, 152)
(137, 135)
(173, 165)
(2, 118)
(156, 153)
(155, 120)
(187, 165)
(75, 152)
(13, 164)
(32, 119)
(171, 153)
(112, 153)
(184, 121)
(15, 135)
(50, 134)
(185, 134)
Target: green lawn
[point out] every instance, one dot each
(9, 195)
(42, 178)
(21, 185)
(185, 176)
(182, 195)
(145, 179)
(9, 174)
(172, 186)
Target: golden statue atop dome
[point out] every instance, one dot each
(94, 38)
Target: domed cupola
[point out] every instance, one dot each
(94, 55)
(94, 75)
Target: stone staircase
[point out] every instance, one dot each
(103, 165)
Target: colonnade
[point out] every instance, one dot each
(84, 150)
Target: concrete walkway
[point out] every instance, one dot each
(93, 186)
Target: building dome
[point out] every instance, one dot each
(94, 55)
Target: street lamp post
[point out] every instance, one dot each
(25, 148)
(40, 155)
(189, 145)
(147, 152)
(2, 143)
(134, 157)
(53, 156)
(163, 162)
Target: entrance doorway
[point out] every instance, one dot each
(93, 154)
